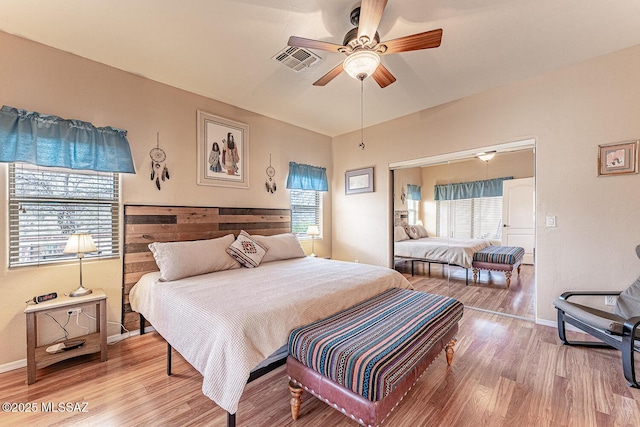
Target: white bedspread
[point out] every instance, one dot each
(441, 249)
(225, 323)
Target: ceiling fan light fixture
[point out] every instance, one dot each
(361, 64)
(486, 156)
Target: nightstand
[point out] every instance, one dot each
(37, 357)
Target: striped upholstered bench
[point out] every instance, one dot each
(363, 360)
(498, 258)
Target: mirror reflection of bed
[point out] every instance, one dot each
(426, 194)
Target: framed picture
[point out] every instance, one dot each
(223, 152)
(618, 158)
(358, 181)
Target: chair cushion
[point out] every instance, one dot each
(596, 318)
(628, 304)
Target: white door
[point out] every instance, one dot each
(518, 216)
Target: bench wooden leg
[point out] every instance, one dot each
(475, 275)
(518, 270)
(450, 352)
(508, 276)
(296, 393)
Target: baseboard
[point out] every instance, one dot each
(110, 340)
(554, 325)
(13, 365)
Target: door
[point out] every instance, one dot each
(518, 216)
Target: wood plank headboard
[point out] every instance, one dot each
(144, 224)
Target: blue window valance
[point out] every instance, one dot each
(470, 190)
(306, 177)
(45, 140)
(413, 192)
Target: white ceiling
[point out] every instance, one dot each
(222, 49)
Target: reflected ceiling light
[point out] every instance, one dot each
(486, 156)
(361, 64)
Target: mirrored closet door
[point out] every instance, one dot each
(466, 205)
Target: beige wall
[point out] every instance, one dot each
(568, 112)
(35, 77)
(401, 179)
(518, 164)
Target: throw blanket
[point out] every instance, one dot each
(225, 323)
(372, 346)
(440, 249)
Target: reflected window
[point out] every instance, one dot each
(476, 218)
(413, 207)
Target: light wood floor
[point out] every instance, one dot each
(506, 372)
(489, 293)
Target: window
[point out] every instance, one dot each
(46, 205)
(413, 208)
(477, 218)
(306, 210)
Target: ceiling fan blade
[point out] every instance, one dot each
(426, 40)
(314, 44)
(329, 76)
(382, 76)
(370, 16)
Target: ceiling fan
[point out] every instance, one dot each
(363, 47)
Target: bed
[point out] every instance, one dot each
(226, 323)
(458, 252)
(411, 243)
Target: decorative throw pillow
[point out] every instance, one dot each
(178, 260)
(422, 232)
(281, 246)
(413, 232)
(247, 251)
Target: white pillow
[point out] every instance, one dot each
(281, 246)
(399, 234)
(178, 260)
(247, 251)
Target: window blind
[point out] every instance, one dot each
(306, 210)
(46, 205)
(477, 218)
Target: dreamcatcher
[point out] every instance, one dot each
(158, 170)
(270, 184)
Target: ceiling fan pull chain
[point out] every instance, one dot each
(361, 145)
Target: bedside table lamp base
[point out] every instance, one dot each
(81, 291)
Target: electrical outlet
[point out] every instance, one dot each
(74, 311)
(610, 300)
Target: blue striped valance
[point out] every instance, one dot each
(470, 190)
(413, 192)
(306, 177)
(44, 140)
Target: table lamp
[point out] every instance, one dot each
(79, 244)
(313, 231)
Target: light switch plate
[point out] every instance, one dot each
(550, 221)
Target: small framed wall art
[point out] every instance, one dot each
(618, 158)
(223, 152)
(358, 181)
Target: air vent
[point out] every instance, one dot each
(296, 58)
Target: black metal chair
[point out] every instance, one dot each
(619, 330)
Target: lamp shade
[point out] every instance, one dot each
(80, 243)
(361, 64)
(313, 230)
